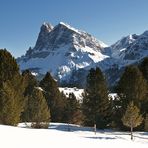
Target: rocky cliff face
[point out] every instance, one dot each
(61, 50)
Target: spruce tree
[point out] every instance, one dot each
(132, 117)
(30, 83)
(95, 104)
(54, 99)
(11, 90)
(8, 66)
(72, 110)
(131, 87)
(143, 66)
(38, 111)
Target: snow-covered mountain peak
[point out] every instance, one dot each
(61, 50)
(118, 49)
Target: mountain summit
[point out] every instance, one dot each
(62, 49)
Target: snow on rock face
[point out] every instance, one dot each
(120, 46)
(62, 49)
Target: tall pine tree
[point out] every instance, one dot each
(55, 100)
(131, 87)
(95, 104)
(143, 66)
(11, 90)
(30, 83)
(38, 111)
(72, 110)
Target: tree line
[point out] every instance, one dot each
(24, 99)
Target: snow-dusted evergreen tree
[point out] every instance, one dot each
(95, 104)
(132, 117)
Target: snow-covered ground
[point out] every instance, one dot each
(77, 92)
(58, 136)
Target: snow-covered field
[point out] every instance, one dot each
(58, 136)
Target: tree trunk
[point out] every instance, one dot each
(95, 128)
(131, 132)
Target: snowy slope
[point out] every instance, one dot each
(58, 136)
(130, 49)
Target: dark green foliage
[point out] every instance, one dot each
(37, 109)
(131, 87)
(30, 83)
(144, 68)
(9, 113)
(132, 117)
(72, 110)
(55, 101)
(95, 104)
(8, 66)
(11, 90)
(11, 101)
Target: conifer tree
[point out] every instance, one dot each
(11, 90)
(38, 110)
(8, 66)
(143, 66)
(72, 110)
(132, 117)
(54, 99)
(30, 83)
(95, 104)
(131, 87)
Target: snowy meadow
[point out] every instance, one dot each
(64, 135)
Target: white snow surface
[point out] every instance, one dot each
(77, 92)
(58, 136)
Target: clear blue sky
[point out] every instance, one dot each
(107, 20)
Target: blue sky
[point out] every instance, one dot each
(107, 20)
